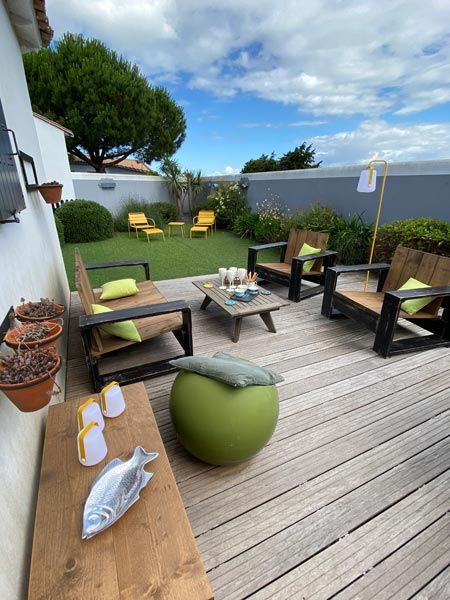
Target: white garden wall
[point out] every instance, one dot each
(52, 142)
(31, 265)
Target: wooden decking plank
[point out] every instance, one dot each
(354, 556)
(404, 572)
(299, 444)
(254, 491)
(314, 416)
(239, 534)
(437, 589)
(254, 569)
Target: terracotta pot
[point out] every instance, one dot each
(53, 338)
(59, 310)
(32, 395)
(51, 192)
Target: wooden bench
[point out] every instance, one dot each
(289, 270)
(151, 313)
(379, 311)
(149, 553)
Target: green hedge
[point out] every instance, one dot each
(161, 212)
(85, 221)
(60, 230)
(429, 235)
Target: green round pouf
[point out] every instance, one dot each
(220, 424)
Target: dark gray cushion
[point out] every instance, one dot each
(228, 369)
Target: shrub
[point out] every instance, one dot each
(318, 217)
(140, 205)
(351, 238)
(60, 229)
(228, 202)
(429, 235)
(85, 221)
(245, 224)
(166, 210)
(270, 226)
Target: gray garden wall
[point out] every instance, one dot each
(413, 189)
(149, 188)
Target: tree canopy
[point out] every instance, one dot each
(109, 105)
(302, 157)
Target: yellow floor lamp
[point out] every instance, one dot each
(367, 183)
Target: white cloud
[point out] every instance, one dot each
(327, 58)
(307, 123)
(379, 139)
(228, 170)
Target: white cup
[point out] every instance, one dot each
(112, 400)
(90, 411)
(91, 445)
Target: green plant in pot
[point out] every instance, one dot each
(27, 378)
(42, 310)
(51, 191)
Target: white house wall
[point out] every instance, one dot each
(52, 142)
(31, 266)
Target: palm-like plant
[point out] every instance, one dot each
(183, 185)
(175, 182)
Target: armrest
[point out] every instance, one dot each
(435, 292)
(136, 262)
(356, 268)
(151, 310)
(306, 257)
(264, 246)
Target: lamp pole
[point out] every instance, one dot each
(380, 203)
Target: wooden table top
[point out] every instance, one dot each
(149, 553)
(257, 305)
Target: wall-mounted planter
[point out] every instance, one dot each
(34, 394)
(29, 312)
(24, 337)
(51, 192)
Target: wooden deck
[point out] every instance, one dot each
(351, 497)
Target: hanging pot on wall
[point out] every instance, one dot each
(51, 191)
(34, 335)
(35, 390)
(43, 310)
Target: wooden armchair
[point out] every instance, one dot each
(289, 271)
(379, 311)
(151, 313)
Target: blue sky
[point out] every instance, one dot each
(254, 77)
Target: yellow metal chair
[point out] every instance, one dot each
(137, 221)
(205, 218)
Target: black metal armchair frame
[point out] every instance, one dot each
(88, 323)
(384, 325)
(293, 279)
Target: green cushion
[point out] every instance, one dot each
(119, 289)
(413, 306)
(125, 329)
(307, 249)
(228, 369)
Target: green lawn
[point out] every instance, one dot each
(176, 257)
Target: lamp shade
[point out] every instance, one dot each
(367, 181)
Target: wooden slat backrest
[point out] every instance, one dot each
(206, 213)
(431, 269)
(298, 237)
(137, 219)
(86, 294)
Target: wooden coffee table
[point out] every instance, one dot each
(260, 305)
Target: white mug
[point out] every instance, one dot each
(112, 400)
(91, 445)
